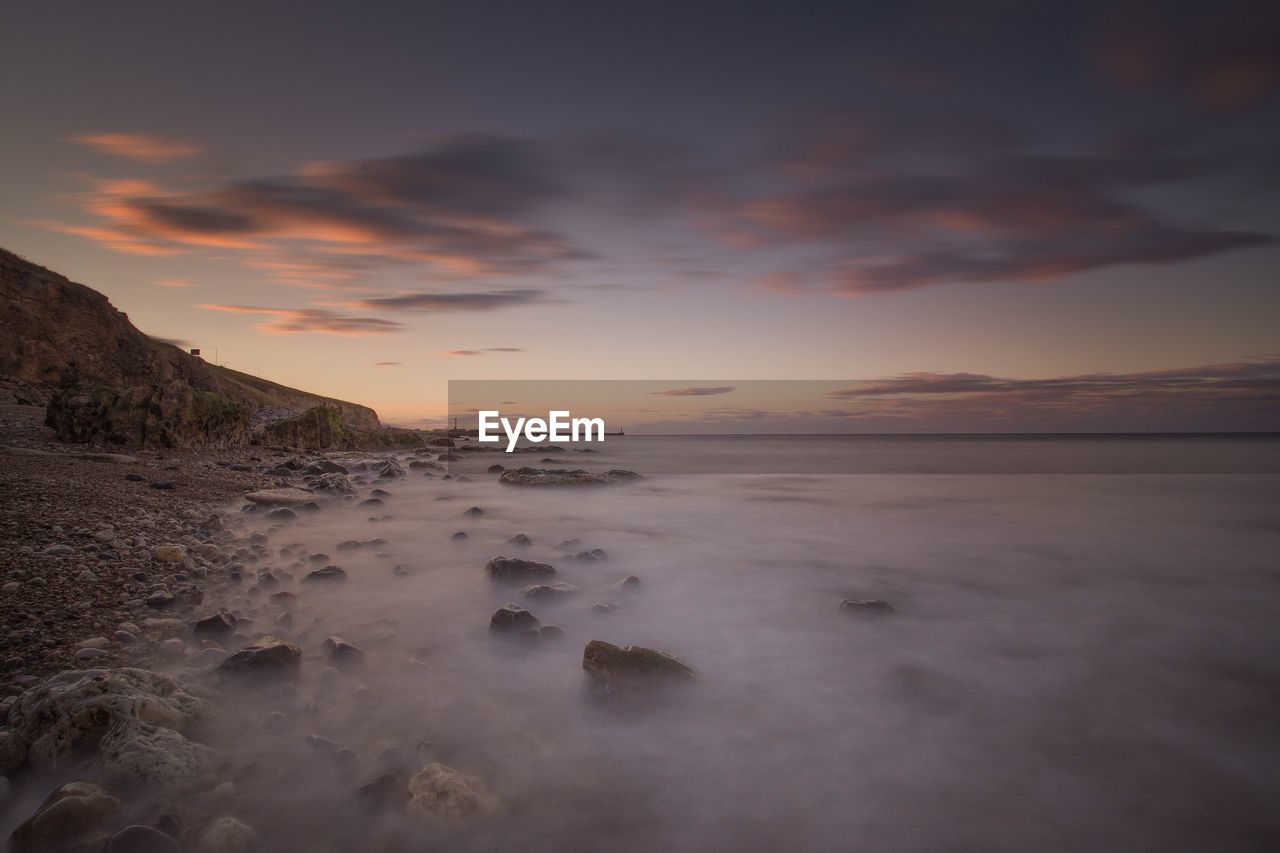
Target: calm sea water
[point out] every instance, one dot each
(1078, 661)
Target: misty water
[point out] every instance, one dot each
(1077, 660)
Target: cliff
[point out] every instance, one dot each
(63, 344)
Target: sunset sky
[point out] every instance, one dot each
(955, 200)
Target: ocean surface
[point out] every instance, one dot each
(1084, 653)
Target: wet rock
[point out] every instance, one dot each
(388, 469)
(135, 478)
(497, 469)
(267, 656)
(441, 795)
(69, 815)
(329, 574)
(628, 583)
(473, 512)
(549, 592)
(228, 835)
(516, 570)
(216, 626)
(140, 839)
(13, 752)
(866, 606)
(520, 539)
(324, 466)
(460, 536)
(511, 617)
(386, 792)
(564, 477)
(595, 555)
(333, 483)
(380, 493)
(279, 497)
(342, 654)
(371, 502)
(606, 661)
(282, 513)
(160, 600)
(129, 721)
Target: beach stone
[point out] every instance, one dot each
(140, 839)
(67, 816)
(328, 574)
(59, 550)
(83, 655)
(460, 536)
(282, 513)
(13, 752)
(169, 553)
(595, 555)
(866, 606)
(564, 477)
(216, 626)
(607, 661)
(441, 795)
(515, 570)
(387, 469)
(268, 655)
(279, 497)
(549, 592)
(128, 720)
(333, 483)
(510, 617)
(342, 654)
(228, 835)
(628, 583)
(497, 469)
(473, 512)
(521, 540)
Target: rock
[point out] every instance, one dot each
(474, 512)
(227, 835)
(510, 617)
(325, 466)
(267, 656)
(515, 570)
(159, 600)
(549, 592)
(329, 574)
(386, 792)
(604, 608)
(387, 469)
(94, 643)
(866, 606)
(606, 661)
(628, 583)
(84, 655)
(172, 649)
(169, 553)
(520, 539)
(282, 513)
(497, 469)
(440, 795)
(86, 577)
(595, 555)
(129, 721)
(279, 497)
(59, 550)
(69, 815)
(380, 493)
(140, 839)
(333, 483)
(135, 478)
(13, 752)
(162, 484)
(564, 477)
(460, 536)
(217, 626)
(342, 654)
(550, 632)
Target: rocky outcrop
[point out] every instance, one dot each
(128, 722)
(605, 661)
(564, 477)
(105, 381)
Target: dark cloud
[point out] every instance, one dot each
(473, 352)
(386, 364)
(702, 391)
(445, 302)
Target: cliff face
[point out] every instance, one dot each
(103, 380)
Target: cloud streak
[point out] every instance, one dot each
(152, 150)
(696, 391)
(294, 321)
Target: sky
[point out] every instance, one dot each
(962, 205)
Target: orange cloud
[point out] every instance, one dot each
(153, 150)
(293, 321)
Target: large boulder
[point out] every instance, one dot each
(564, 477)
(128, 722)
(68, 816)
(516, 570)
(440, 795)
